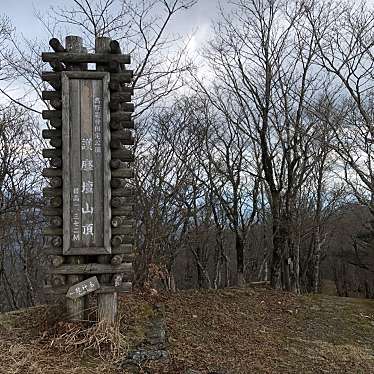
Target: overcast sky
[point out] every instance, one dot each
(22, 15)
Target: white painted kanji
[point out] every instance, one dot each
(87, 165)
(88, 229)
(87, 187)
(88, 209)
(86, 144)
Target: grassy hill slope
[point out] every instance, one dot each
(226, 331)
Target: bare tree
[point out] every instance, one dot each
(21, 266)
(262, 57)
(345, 37)
(159, 57)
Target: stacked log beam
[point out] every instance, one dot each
(121, 137)
(53, 211)
(119, 167)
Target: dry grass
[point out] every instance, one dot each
(103, 340)
(233, 330)
(263, 331)
(33, 342)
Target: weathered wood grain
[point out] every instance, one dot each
(57, 66)
(72, 163)
(125, 136)
(56, 221)
(51, 153)
(107, 158)
(50, 134)
(51, 114)
(123, 77)
(56, 104)
(56, 162)
(122, 220)
(56, 45)
(51, 95)
(120, 116)
(120, 125)
(93, 88)
(125, 221)
(115, 144)
(115, 47)
(118, 87)
(56, 241)
(52, 192)
(126, 107)
(123, 192)
(56, 123)
(121, 155)
(123, 173)
(55, 182)
(118, 164)
(50, 76)
(56, 142)
(107, 303)
(126, 249)
(116, 260)
(118, 183)
(58, 280)
(78, 58)
(52, 231)
(91, 210)
(76, 308)
(57, 260)
(123, 211)
(123, 230)
(118, 240)
(93, 268)
(122, 96)
(50, 172)
(56, 202)
(118, 202)
(52, 212)
(124, 287)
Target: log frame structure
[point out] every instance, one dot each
(110, 252)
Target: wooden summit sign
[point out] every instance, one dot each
(85, 159)
(89, 203)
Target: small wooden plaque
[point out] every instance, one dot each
(83, 288)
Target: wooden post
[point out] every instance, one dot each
(75, 307)
(106, 302)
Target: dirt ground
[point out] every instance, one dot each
(226, 331)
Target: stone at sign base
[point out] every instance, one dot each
(83, 288)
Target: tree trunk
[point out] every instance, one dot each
(317, 261)
(239, 246)
(278, 244)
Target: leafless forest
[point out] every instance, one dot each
(253, 151)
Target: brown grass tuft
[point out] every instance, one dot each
(103, 339)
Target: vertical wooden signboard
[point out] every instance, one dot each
(86, 159)
(90, 233)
